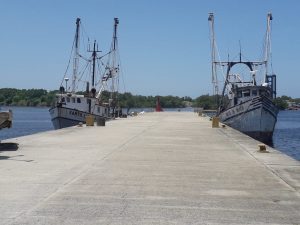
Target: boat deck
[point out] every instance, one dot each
(155, 168)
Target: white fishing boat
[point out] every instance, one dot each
(73, 105)
(246, 105)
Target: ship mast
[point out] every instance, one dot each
(94, 57)
(267, 50)
(270, 79)
(76, 56)
(213, 54)
(114, 68)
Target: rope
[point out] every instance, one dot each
(69, 62)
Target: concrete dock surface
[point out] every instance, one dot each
(156, 168)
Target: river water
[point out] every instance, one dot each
(30, 120)
(286, 136)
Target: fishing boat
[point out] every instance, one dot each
(246, 104)
(5, 119)
(74, 105)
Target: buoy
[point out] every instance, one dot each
(158, 107)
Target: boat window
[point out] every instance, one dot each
(262, 92)
(105, 111)
(73, 100)
(68, 99)
(235, 100)
(239, 94)
(246, 93)
(254, 92)
(78, 100)
(98, 109)
(62, 99)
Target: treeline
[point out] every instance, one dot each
(127, 100)
(41, 97)
(26, 97)
(282, 102)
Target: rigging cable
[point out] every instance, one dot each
(69, 62)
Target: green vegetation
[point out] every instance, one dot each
(281, 102)
(206, 102)
(139, 101)
(41, 97)
(26, 97)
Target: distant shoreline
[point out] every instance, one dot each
(12, 97)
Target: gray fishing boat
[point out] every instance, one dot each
(246, 105)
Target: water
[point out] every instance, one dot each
(286, 137)
(27, 120)
(30, 120)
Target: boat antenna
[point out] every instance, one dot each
(240, 51)
(76, 55)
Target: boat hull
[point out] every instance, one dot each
(5, 119)
(64, 117)
(256, 118)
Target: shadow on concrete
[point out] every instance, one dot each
(4, 157)
(5, 147)
(8, 147)
(15, 158)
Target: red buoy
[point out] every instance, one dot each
(158, 107)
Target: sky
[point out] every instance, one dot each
(164, 44)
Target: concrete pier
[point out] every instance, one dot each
(156, 168)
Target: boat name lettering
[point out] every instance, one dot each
(75, 113)
(232, 112)
(240, 108)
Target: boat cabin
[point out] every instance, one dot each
(242, 94)
(81, 103)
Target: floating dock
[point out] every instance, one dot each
(155, 168)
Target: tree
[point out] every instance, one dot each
(281, 102)
(206, 102)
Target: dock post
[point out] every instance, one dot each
(215, 122)
(89, 120)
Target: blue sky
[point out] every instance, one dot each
(164, 44)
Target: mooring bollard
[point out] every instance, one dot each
(215, 122)
(100, 122)
(89, 120)
(262, 148)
